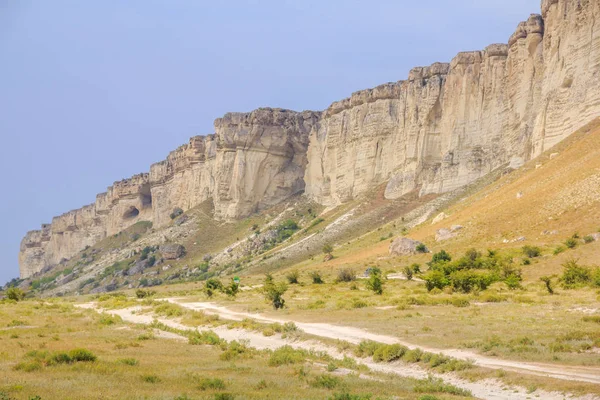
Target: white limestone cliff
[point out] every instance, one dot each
(445, 126)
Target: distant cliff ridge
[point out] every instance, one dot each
(442, 128)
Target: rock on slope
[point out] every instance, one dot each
(444, 127)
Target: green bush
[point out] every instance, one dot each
(575, 275)
(437, 385)
(128, 361)
(346, 275)
(375, 281)
(212, 384)
(367, 348)
(389, 353)
(286, 355)
(236, 350)
(144, 293)
(14, 293)
(532, 251)
(211, 286)
(435, 280)
(325, 381)
(274, 291)
(293, 277)
(82, 355)
(327, 248)
(317, 279)
(571, 243)
(204, 337)
(421, 248)
(588, 239)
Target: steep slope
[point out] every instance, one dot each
(445, 127)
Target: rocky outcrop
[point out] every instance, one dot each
(449, 124)
(405, 247)
(253, 161)
(443, 127)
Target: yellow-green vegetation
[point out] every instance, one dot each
(59, 351)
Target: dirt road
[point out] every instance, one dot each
(485, 389)
(356, 335)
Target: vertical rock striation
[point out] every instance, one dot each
(443, 127)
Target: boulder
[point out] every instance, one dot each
(440, 217)
(172, 251)
(444, 234)
(404, 247)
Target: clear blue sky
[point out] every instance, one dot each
(95, 91)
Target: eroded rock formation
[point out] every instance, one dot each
(443, 127)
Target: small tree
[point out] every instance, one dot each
(375, 281)
(274, 291)
(211, 286)
(232, 289)
(327, 249)
(408, 272)
(15, 294)
(548, 282)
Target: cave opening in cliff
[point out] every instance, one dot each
(146, 196)
(132, 212)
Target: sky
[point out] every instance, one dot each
(95, 91)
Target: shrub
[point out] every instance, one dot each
(176, 213)
(327, 248)
(437, 385)
(441, 256)
(82, 355)
(435, 280)
(274, 291)
(236, 350)
(460, 302)
(466, 280)
(204, 337)
(232, 289)
(60, 358)
(548, 283)
(558, 250)
(286, 355)
(367, 348)
(293, 277)
(408, 272)
(224, 396)
(346, 275)
(348, 396)
(211, 286)
(214, 384)
(316, 278)
(575, 275)
(375, 281)
(571, 243)
(389, 353)
(325, 381)
(588, 239)
(144, 293)
(596, 277)
(513, 282)
(421, 248)
(532, 251)
(150, 378)
(14, 293)
(128, 361)
(168, 309)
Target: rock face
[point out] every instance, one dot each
(445, 126)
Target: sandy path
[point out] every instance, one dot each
(486, 389)
(356, 335)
